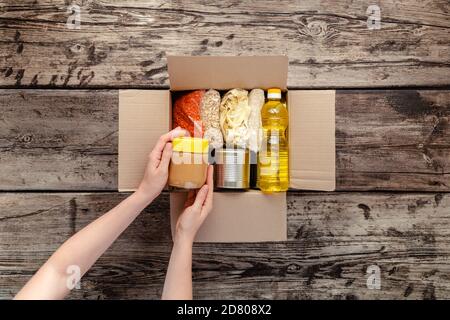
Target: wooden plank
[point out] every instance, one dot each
(393, 140)
(124, 43)
(334, 238)
(67, 140)
(58, 139)
(55, 216)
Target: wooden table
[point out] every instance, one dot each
(59, 131)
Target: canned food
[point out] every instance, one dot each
(232, 168)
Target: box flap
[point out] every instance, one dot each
(263, 220)
(143, 118)
(221, 73)
(312, 151)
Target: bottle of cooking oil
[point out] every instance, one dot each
(273, 159)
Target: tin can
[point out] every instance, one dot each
(232, 168)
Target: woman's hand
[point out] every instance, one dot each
(157, 170)
(197, 207)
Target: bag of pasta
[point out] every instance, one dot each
(234, 115)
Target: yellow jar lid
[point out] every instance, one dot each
(189, 144)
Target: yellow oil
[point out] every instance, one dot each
(273, 158)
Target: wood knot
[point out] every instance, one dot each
(76, 48)
(317, 30)
(366, 210)
(293, 268)
(26, 138)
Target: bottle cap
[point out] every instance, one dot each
(274, 93)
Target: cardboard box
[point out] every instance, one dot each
(249, 216)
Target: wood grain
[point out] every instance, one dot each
(58, 139)
(124, 43)
(333, 238)
(393, 140)
(56, 146)
(67, 140)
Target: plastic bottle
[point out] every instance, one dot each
(273, 158)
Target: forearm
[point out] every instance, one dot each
(178, 283)
(86, 246)
(82, 250)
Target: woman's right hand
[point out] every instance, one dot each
(157, 170)
(197, 207)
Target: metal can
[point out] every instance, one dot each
(232, 168)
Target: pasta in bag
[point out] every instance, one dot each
(234, 116)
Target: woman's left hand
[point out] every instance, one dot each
(196, 208)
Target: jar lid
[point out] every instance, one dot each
(189, 144)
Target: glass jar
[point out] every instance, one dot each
(189, 163)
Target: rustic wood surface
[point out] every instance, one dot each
(58, 148)
(59, 140)
(333, 239)
(124, 43)
(393, 140)
(67, 140)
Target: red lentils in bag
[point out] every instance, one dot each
(186, 112)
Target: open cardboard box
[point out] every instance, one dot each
(249, 216)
